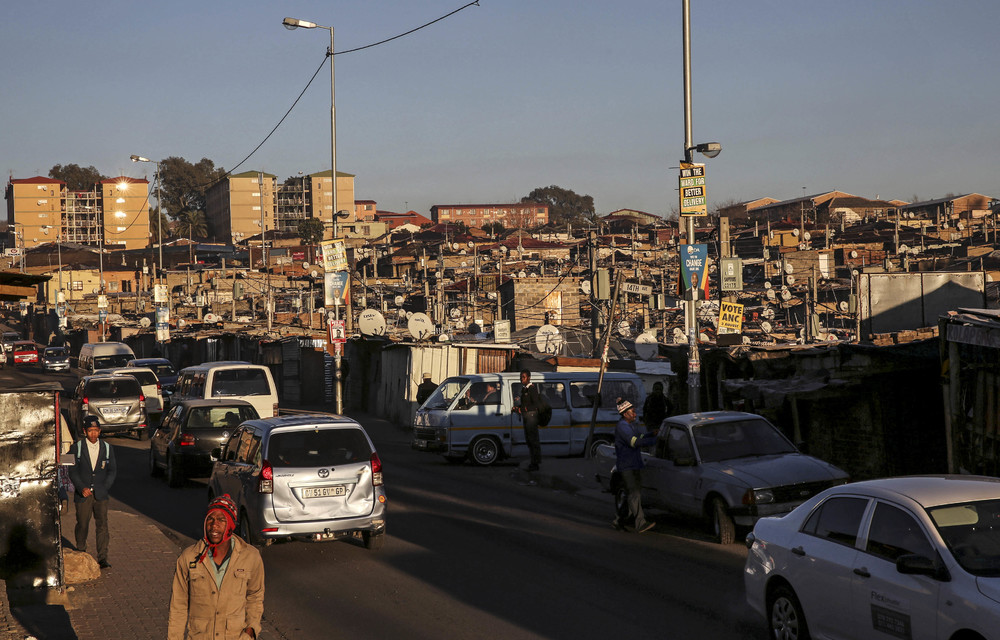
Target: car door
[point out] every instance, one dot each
(555, 437)
(821, 558)
(672, 476)
(223, 479)
(885, 602)
(161, 437)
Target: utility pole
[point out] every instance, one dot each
(265, 253)
(595, 313)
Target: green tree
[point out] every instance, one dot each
(192, 224)
(311, 232)
(184, 186)
(77, 178)
(154, 232)
(493, 228)
(565, 206)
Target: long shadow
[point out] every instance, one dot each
(21, 568)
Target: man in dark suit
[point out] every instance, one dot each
(92, 475)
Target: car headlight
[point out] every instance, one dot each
(758, 496)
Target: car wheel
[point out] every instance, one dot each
(246, 531)
(786, 620)
(722, 523)
(484, 451)
(154, 469)
(175, 476)
(373, 541)
(592, 450)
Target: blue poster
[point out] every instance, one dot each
(694, 269)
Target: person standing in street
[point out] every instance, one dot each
(656, 408)
(629, 441)
(425, 389)
(92, 475)
(218, 587)
(531, 404)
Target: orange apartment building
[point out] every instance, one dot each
(115, 213)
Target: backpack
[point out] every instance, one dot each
(544, 411)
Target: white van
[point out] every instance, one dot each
(229, 379)
(472, 416)
(103, 355)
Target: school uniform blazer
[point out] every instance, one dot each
(98, 475)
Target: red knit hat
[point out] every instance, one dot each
(226, 505)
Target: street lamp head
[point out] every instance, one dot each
(135, 158)
(709, 149)
(343, 213)
(294, 23)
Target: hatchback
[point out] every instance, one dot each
(117, 401)
(25, 352)
(55, 359)
(150, 388)
(183, 443)
(308, 477)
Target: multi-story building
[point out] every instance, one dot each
(114, 213)
(522, 215)
(242, 204)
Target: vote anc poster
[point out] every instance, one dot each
(694, 269)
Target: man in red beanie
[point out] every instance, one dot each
(218, 590)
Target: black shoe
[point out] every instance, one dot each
(104, 564)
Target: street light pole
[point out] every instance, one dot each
(159, 206)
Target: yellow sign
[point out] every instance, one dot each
(730, 317)
(693, 192)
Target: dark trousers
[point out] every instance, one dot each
(99, 510)
(530, 419)
(633, 511)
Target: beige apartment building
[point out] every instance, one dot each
(522, 215)
(115, 213)
(243, 204)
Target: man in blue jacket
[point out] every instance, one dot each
(92, 475)
(629, 441)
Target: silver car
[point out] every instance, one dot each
(308, 477)
(728, 467)
(117, 401)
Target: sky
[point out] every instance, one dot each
(887, 99)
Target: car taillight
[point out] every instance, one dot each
(266, 482)
(85, 403)
(186, 439)
(142, 398)
(158, 387)
(275, 408)
(376, 470)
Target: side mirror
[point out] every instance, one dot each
(912, 564)
(217, 453)
(684, 461)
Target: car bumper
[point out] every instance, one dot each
(325, 529)
(56, 366)
(428, 445)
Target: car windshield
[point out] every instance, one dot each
(144, 377)
(445, 393)
(717, 441)
(55, 352)
(119, 387)
(163, 370)
(111, 362)
(221, 417)
(240, 382)
(971, 533)
(318, 448)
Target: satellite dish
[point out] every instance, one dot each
(679, 337)
(789, 269)
(770, 294)
(305, 265)
(548, 339)
(420, 326)
(455, 313)
(645, 346)
(765, 326)
(854, 254)
(843, 306)
(145, 322)
(398, 300)
(803, 246)
(585, 287)
(960, 226)
(492, 295)
(314, 273)
(408, 314)
(455, 246)
(522, 274)
(903, 248)
(806, 236)
(795, 232)
(624, 329)
(464, 264)
(444, 337)
(855, 273)
(181, 323)
(504, 249)
(211, 317)
(769, 313)
(790, 280)
(767, 284)
(786, 295)
(832, 337)
(371, 323)
(463, 252)
(470, 244)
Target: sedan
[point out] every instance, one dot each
(914, 557)
(25, 352)
(727, 467)
(182, 445)
(55, 359)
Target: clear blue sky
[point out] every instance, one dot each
(894, 98)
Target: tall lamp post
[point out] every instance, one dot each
(159, 205)
(710, 150)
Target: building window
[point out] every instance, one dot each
(78, 285)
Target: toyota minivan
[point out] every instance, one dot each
(307, 477)
(232, 379)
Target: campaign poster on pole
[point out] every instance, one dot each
(162, 324)
(694, 270)
(335, 287)
(334, 255)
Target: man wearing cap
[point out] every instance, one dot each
(629, 441)
(92, 475)
(218, 589)
(425, 389)
(531, 405)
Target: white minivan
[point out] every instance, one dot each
(229, 379)
(103, 355)
(472, 416)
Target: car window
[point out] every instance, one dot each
(112, 362)
(119, 387)
(838, 519)
(240, 382)
(894, 532)
(718, 441)
(249, 443)
(445, 394)
(163, 370)
(582, 394)
(317, 448)
(674, 444)
(554, 393)
(144, 377)
(611, 390)
(970, 530)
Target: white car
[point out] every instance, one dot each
(913, 557)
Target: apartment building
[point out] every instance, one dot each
(522, 215)
(114, 213)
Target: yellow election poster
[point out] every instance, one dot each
(730, 317)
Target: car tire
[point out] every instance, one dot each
(175, 475)
(246, 531)
(484, 451)
(597, 442)
(374, 541)
(154, 469)
(785, 619)
(722, 523)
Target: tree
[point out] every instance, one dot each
(77, 178)
(154, 232)
(183, 186)
(311, 232)
(565, 206)
(192, 223)
(493, 228)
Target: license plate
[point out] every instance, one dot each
(114, 411)
(323, 492)
(421, 444)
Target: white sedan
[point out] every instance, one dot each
(913, 557)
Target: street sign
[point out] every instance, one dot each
(730, 317)
(102, 302)
(731, 274)
(501, 331)
(635, 287)
(694, 270)
(693, 192)
(102, 315)
(12, 252)
(161, 294)
(337, 332)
